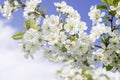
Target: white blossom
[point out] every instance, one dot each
(51, 24)
(118, 21)
(31, 36)
(117, 10)
(70, 73)
(32, 40)
(98, 30)
(110, 55)
(66, 9)
(95, 15)
(74, 26)
(7, 9)
(30, 7)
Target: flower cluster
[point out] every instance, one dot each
(70, 73)
(117, 10)
(67, 38)
(110, 55)
(32, 41)
(96, 15)
(98, 30)
(8, 8)
(108, 37)
(30, 8)
(66, 9)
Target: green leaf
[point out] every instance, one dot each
(102, 7)
(36, 28)
(29, 23)
(11, 2)
(37, 8)
(108, 2)
(111, 2)
(59, 71)
(19, 1)
(86, 75)
(104, 1)
(112, 13)
(103, 39)
(107, 18)
(42, 13)
(73, 37)
(108, 67)
(64, 49)
(18, 35)
(115, 2)
(86, 62)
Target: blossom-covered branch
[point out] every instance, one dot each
(64, 38)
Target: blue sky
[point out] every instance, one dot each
(82, 6)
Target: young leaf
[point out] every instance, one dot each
(107, 18)
(108, 2)
(102, 7)
(105, 1)
(19, 1)
(64, 49)
(11, 2)
(29, 23)
(86, 75)
(37, 8)
(36, 28)
(43, 13)
(86, 62)
(112, 13)
(18, 35)
(108, 67)
(115, 2)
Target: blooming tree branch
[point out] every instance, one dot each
(64, 38)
